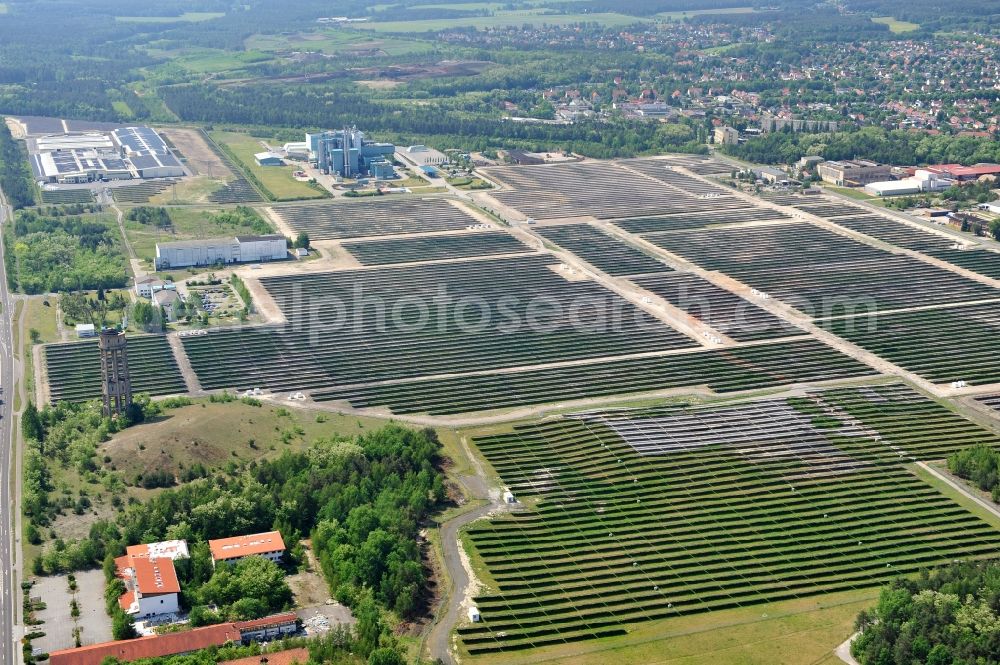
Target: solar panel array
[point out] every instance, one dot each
(724, 311)
(434, 248)
(604, 191)
(602, 251)
(330, 221)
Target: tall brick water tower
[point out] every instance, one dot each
(116, 388)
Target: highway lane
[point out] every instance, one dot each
(9, 592)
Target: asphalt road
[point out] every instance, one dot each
(9, 597)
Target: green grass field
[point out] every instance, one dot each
(533, 16)
(187, 17)
(680, 16)
(41, 317)
(277, 179)
(210, 61)
(188, 223)
(896, 26)
(793, 632)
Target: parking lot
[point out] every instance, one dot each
(58, 623)
(218, 300)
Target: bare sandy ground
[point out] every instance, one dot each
(200, 158)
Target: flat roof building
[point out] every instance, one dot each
(122, 154)
(852, 173)
(213, 251)
(726, 135)
(268, 159)
(268, 545)
(421, 155)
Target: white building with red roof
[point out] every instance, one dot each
(230, 550)
(151, 585)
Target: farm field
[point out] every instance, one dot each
(74, 368)
(895, 25)
(434, 248)
(358, 219)
(502, 19)
(819, 272)
(604, 191)
(277, 180)
(645, 515)
(602, 251)
(336, 336)
(941, 345)
(186, 17)
(720, 370)
(724, 311)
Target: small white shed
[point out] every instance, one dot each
(474, 614)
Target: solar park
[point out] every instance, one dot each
(657, 513)
(672, 474)
(74, 369)
(604, 191)
(439, 247)
(356, 219)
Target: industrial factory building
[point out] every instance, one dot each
(122, 154)
(348, 154)
(856, 173)
(214, 251)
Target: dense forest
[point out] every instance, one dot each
(305, 107)
(979, 464)
(63, 253)
(948, 616)
(874, 143)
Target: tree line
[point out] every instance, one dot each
(335, 106)
(979, 464)
(899, 147)
(15, 175)
(947, 616)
